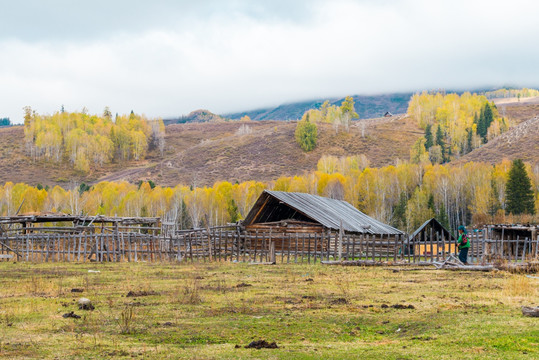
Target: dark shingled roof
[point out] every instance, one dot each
(328, 212)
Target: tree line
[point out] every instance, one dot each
(88, 141)
(404, 195)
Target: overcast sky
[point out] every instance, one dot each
(167, 58)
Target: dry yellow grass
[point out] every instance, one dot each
(145, 310)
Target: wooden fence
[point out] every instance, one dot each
(229, 244)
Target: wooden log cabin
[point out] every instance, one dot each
(309, 223)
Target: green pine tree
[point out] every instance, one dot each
(481, 129)
(429, 141)
(430, 203)
(489, 115)
(233, 211)
(519, 192)
(442, 217)
(399, 213)
(494, 202)
(469, 140)
(184, 220)
(440, 141)
(306, 134)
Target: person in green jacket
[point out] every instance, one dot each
(464, 244)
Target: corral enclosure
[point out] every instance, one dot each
(281, 227)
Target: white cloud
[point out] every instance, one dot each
(233, 60)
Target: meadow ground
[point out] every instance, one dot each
(203, 311)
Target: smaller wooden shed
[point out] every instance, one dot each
(432, 238)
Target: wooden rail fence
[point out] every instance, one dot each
(229, 244)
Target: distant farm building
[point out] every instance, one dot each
(513, 241)
(388, 114)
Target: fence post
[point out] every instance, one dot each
(272, 251)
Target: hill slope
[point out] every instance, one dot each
(520, 142)
(196, 116)
(203, 153)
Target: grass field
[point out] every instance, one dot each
(203, 311)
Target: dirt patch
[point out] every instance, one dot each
(77, 290)
(423, 338)
(262, 344)
(140, 293)
(241, 285)
(402, 306)
(71, 314)
(339, 301)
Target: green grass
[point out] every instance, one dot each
(312, 312)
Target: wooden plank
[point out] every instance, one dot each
(341, 231)
(48, 248)
(353, 247)
(373, 247)
(387, 248)
(303, 247)
(315, 248)
(517, 243)
(309, 249)
(135, 247)
(130, 250)
(524, 249)
(238, 245)
(329, 243)
(348, 243)
(226, 246)
(431, 240)
(502, 242)
(296, 251)
(220, 245)
(288, 252)
(396, 247)
(190, 242)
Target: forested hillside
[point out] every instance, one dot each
(454, 125)
(366, 107)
